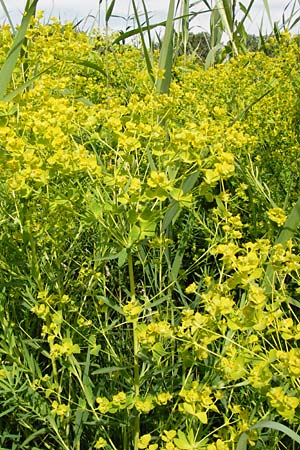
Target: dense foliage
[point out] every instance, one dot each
(136, 233)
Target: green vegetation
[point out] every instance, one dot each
(149, 243)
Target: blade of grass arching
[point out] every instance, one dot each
(278, 427)
(9, 97)
(145, 49)
(88, 64)
(242, 443)
(8, 16)
(135, 31)
(14, 52)
(33, 435)
(294, 23)
(289, 229)
(240, 115)
(166, 53)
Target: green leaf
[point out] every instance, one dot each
(145, 49)
(109, 11)
(122, 257)
(136, 31)
(11, 24)
(87, 64)
(34, 435)
(112, 305)
(182, 443)
(166, 53)
(14, 52)
(105, 370)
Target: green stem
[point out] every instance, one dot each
(136, 371)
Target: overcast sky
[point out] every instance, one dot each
(78, 9)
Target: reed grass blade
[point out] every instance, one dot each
(11, 24)
(185, 24)
(145, 49)
(166, 54)
(242, 443)
(267, 8)
(226, 15)
(109, 11)
(14, 52)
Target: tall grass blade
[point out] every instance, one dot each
(226, 14)
(148, 24)
(166, 54)
(109, 11)
(185, 25)
(145, 49)
(287, 23)
(14, 52)
(9, 97)
(267, 8)
(11, 24)
(216, 33)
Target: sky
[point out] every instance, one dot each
(93, 12)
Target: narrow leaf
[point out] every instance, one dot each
(136, 31)
(267, 8)
(14, 52)
(145, 49)
(8, 16)
(109, 11)
(166, 54)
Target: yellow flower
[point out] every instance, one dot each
(101, 443)
(59, 409)
(144, 406)
(144, 441)
(168, 435)
(219, 445)
(132, 309)
(191, 288)
(119, 399)
(163, 398)
(285, 404)
(277, 215)
(103, 404)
